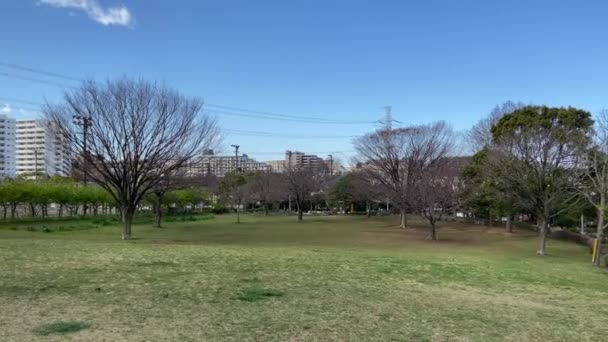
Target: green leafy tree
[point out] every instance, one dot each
(484, 193)
(343, 192)
(537, 151)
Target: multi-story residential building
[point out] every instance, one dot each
(210, 164)
(276, 165)
(301, 160)
(40, 150)
(7, 146)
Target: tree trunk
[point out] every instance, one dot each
(542, 237)
(490, 220)
(13, 210)
(127, 220)
(402, 219)
(4, 212)
(600, 227)
(433, 231)
(509, 225)
(300, 208)
(33, 209)
(265, 209)
(238, 213)
(158, 214)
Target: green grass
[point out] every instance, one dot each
(273, 279)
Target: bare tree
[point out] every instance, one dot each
(593, 185)
(395, 159)
(265, 187)
(363, 190)
(233, 190)
(301, 183)
(140, 131)
(436, 191)
(536, 154)
(480, 135)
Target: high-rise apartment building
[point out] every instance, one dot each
(276, 165)
(7, 146)
(210, 164)
(39, 150)
(301, 160)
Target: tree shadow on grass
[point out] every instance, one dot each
(60, 328)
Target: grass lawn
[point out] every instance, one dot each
(273, 279)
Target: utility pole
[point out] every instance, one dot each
(236, 157)
(85, 122)
(331, 165)
(289, 170)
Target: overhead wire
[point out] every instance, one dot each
(276, 135)
(214, 108)
(31, 79)
(38, 71)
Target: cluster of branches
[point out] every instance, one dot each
(261, 188)
(33, 197)
(414, 168)
(138, 133)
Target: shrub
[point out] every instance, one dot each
(220, 210)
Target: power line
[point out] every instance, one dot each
(12, 99)
(258, 116)
(274, 135)
(232, 131)
(218, 108)
(38, 71)
(31, 79)
(271, 114)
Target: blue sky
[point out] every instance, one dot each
(430, 60)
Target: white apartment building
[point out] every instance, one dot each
(277, 165)
(219, 166)
(39, 149)
(301, 160)
(7, 147)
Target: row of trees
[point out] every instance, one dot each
(532, 161)
(33, 198)
(63, 196)
(299, 189)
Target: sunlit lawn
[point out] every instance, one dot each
(273, 279)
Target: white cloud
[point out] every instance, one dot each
(5, 109)
(105, 16)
